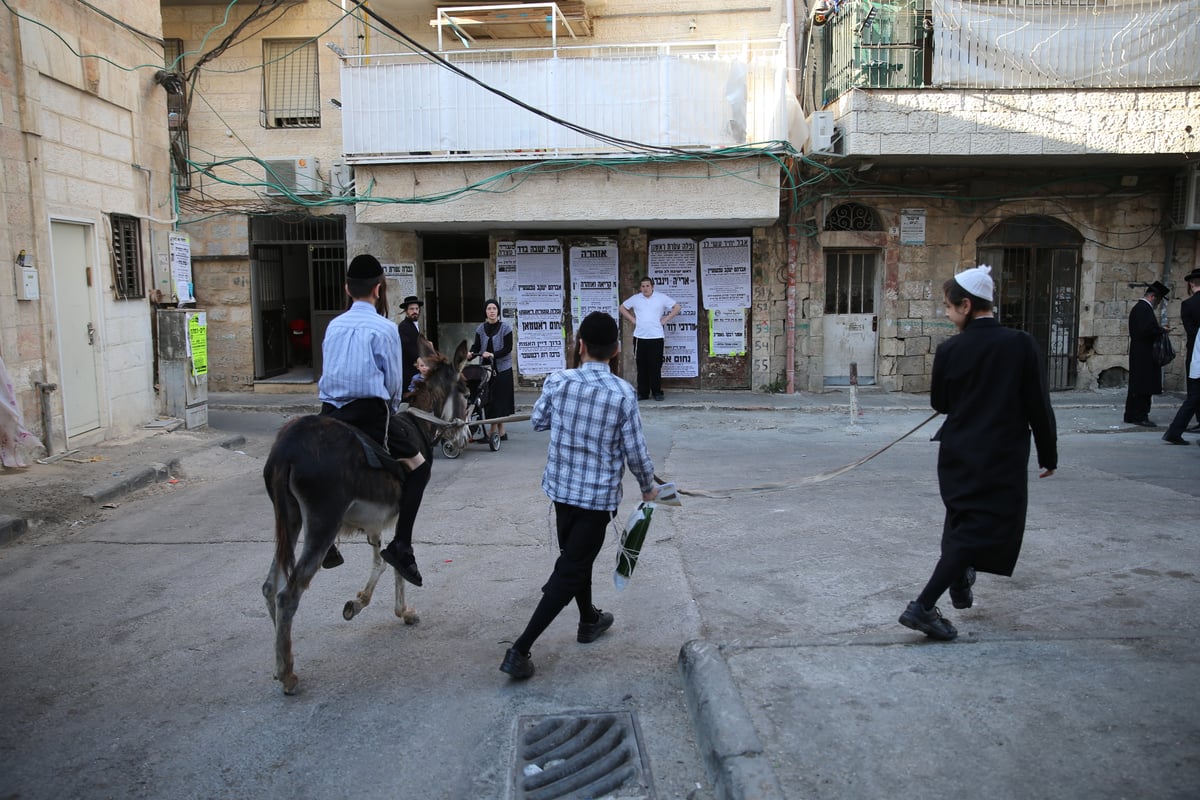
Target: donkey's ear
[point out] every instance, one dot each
(460, 355)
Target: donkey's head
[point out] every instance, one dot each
(441, 393)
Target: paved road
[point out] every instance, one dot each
(139, 661)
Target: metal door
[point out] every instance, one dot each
(270, 324)
(327, 277)
(850, 323)
(78, 337)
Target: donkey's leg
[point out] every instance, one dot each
(363, 598)
(319, 531)
(404, 612)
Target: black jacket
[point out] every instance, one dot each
(1145, 376)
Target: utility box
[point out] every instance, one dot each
(183, 364)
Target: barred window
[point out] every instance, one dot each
(291, 89)
(127, 257)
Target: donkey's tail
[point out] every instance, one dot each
(278, 476)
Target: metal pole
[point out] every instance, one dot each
(853, 392)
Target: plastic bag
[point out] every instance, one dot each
(632, 539)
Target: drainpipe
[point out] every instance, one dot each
(44, 390)
(793, 249)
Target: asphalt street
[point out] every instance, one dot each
(138, 652)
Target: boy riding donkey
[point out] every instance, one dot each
(360, 385)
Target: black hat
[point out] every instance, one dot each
(412, 299)
(1160, 291)
(1192, 276)
(599, 328)
(364, 266)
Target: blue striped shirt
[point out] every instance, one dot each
(362, 358)
(595, 429)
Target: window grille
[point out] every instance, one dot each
(177, 117)
(851, 217)
(850, 282)
(291, 86)
(127, 257)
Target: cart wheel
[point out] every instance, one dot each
(494, 442)
(450, 450)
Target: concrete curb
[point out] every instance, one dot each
(728, 742)
(132, 480)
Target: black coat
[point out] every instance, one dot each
(409, 337)
(1145, 376)
(1189, 315)
(990, 384)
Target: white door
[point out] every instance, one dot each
(78, 338)
(850, 321)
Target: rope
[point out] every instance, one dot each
(725, 494)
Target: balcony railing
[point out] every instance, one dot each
(699, 96)
(1008, 44)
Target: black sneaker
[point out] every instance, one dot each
(931, 622)
(405, 564)
(333, 558)
(590, 631)
(517, 664)
(960, 591)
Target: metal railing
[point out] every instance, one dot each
(1007, 44)
(706, 95)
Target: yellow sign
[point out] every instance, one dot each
(198, 343)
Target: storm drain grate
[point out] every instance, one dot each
(580, 756)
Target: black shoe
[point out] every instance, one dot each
(405, 564)
(960, 592)
(659, 396)
(1176, 440)
(590, 631)
(931, 622)
(517, 664)
(504, 437)
(643, 397)
(1145, 423)
(332, 558)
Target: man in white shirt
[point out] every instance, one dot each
(649, 311)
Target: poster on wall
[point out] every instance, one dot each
(727, 332)
(539, 307)
(402, 282)
(506, 277)
(912, 226)
(725, 272)
(672, 265)
(593, 282)
(181, 267)
(197, 342)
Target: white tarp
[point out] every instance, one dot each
(1135, 43)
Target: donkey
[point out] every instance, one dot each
(325, 479)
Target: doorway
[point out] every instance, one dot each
(78, 337)
(454, 307)
(850, 324)
(1035, 264)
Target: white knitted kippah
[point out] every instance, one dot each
(977, 281)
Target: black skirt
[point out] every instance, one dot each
(501, 402)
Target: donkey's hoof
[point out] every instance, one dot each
(289, 684)
(350, 610)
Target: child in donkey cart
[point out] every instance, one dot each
(595, 430)
(360, 385)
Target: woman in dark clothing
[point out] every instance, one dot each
(988, 381)
(494, 341)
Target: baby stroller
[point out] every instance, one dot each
(478, 378)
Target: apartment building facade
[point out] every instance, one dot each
(86, 202)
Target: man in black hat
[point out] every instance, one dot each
(361, 385)
(595, 430)
(1145, 376)
(410, 336)
(1189, 314)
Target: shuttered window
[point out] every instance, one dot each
(291, 89)
(127, 257)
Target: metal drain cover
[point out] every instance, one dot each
(581, 756)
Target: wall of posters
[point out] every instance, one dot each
(540, 337)
(506, 277)
(725, 272)
(593, 282)
(672, 265)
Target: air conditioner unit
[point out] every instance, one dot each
(296, 176)
(341, 179)
(820, 132)
(1185, 201)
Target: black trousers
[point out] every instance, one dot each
(580, 537)
(1137, 407)
(649, 355)
(1191, 405)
